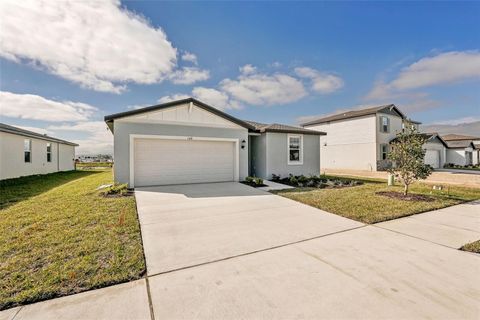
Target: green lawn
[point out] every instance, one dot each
(362, 204)
(58, 237)
(81, 165)
(472, 247)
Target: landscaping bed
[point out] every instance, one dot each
(321, 182)
(59, 236)
(367, 202)
(454, 166)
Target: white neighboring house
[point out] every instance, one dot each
(24, 153)
(462, 150)
(360, 139)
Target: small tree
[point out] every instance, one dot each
(407, 156)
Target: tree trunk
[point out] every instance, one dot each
(405, 189)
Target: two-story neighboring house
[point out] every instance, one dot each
(360, 139)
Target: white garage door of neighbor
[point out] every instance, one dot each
(432, 157)
(165, 161)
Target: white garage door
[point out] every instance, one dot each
(165, 161)
(432, 157)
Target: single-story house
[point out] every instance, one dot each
(24, 153)
(188, 141)
(360, 139)
(462, 150)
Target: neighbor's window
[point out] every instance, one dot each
(295, 152)
(27, 150)
(383, 151)
(49, 152)
(384, 124)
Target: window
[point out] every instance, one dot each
(295, 149)
(384, 124)
(49, 152)
(27, 150)
(383, 151)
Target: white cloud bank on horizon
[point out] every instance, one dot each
(97, 44)
(74, 117)
(34, 107)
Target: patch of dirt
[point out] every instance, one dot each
(409, 197)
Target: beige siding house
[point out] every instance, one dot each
(24, 153)
(360, 139)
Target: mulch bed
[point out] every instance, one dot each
(409, 197)
(252, 184)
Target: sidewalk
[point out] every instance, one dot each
(437, 177)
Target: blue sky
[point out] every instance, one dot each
(302, 60)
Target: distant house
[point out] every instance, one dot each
(462, 150)
(188, 141)
(360, 139)
(24, 153)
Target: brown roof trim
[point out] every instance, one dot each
(110, 118)
(311, 132)
(27, 133)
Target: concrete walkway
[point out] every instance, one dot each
(295, 263)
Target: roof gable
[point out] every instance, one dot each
(187, 111)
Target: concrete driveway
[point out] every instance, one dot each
(228, 251)
(188, 225)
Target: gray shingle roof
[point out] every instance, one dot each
(27, 133)
(355, 114)
(277, 127)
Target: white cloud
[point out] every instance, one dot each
(464, 120)
(98, 44)
(262, 89)
(189, 75)
(457, 126)
(443, 68)
(215, 98)
(247, 69)
(190, 57)
(98, 138)
(173, 97)
(323, 83)
(29, 106)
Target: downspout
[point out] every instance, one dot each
(58, 156)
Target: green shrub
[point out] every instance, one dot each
(115, 189)
(258, 181)
(249, 179)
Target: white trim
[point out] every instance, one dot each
(295, 163)
(236, 173)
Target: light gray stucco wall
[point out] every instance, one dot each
(123, 130)
(277, 159)
(258, 156)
